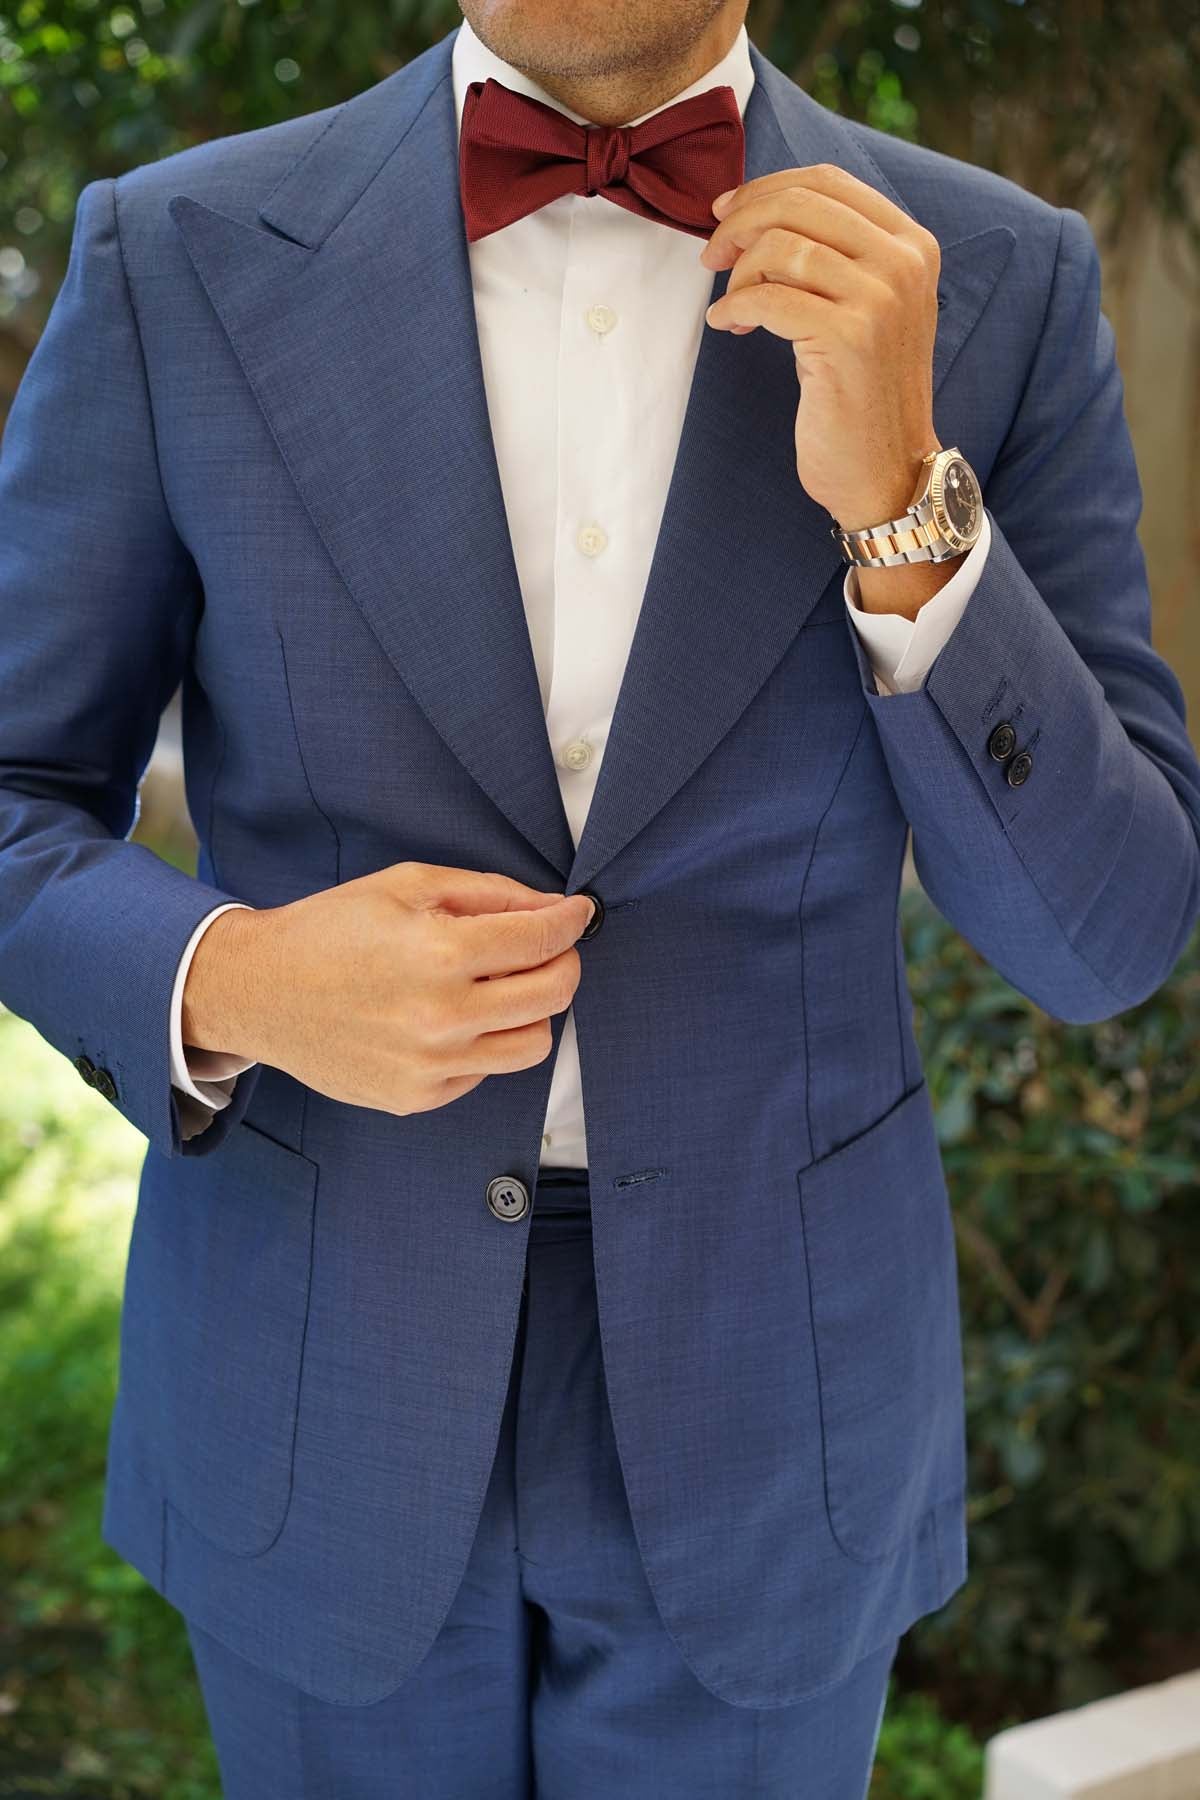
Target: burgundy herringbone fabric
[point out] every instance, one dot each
(516, 154)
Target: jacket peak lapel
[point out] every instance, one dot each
(350, 308)
(743, 554)
(353, 319)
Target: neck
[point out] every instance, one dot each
(614, 98)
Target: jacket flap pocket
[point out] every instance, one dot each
(883, 1291)
(212, 1334)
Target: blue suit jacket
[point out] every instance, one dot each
(252, 453)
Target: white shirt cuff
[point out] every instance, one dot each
(208, 1076)
(902, 651)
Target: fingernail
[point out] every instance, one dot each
(722, 201)
(709, 312)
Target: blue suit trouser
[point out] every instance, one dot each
(552, 1675)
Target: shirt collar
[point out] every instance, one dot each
(471, 60)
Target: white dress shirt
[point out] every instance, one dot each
(589, 320)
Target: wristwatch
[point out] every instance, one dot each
(944, 518)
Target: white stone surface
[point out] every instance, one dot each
(1141, 1745)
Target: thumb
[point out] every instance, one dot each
(469, 891)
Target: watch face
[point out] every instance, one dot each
(961, 498)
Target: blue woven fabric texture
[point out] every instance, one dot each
(552, 1674)
(251, 454)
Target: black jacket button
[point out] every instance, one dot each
(597, 919)
(1018, 769)
(87, 1069)
(104, 1084)
(507, 1197)
(1003, 741)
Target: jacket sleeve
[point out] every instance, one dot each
(99, 601)
(901, 650)
(1080, 883)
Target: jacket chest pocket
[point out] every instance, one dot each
(883, 1292)
(212, 1330)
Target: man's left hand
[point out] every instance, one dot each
(830, 264)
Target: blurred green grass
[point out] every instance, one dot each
(98, 1696)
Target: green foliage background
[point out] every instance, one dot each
(1079, 99)
(1072, 1155)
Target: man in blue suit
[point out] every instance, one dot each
(536, 728)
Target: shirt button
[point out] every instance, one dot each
(591, 539)
(601, 318)
(577, 755)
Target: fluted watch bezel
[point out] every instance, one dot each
(925, 532)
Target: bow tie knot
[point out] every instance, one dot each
(607, 156)
(517, 154)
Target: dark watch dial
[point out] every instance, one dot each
(961, 497)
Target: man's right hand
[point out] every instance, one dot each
(401, 990)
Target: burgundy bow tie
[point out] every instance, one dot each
(517, 154)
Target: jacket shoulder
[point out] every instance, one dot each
(242, 167)
(232, 173)
(235, 174)
(952, 197)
